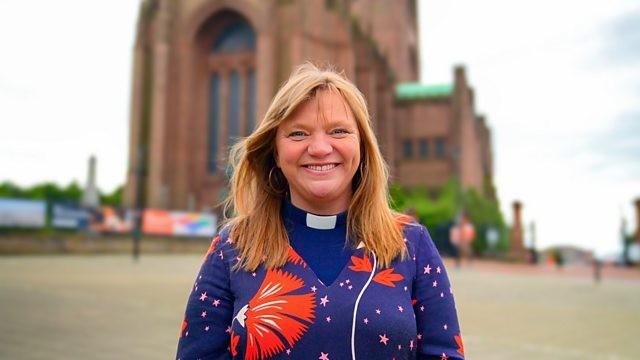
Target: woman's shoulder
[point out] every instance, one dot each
(410, 226)
(416, 236)
(221, 246)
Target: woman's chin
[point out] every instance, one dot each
(323, 192)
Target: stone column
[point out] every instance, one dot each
(91, 195)
(516, 249)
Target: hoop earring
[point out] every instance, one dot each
(270, 185)
(357, 178)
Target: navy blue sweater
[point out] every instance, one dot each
(320, 240)
(403, 311)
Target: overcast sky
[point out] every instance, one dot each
(559, 83)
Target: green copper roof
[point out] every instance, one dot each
(417, 91)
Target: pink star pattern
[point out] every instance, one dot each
(416, 296)
(427, 270)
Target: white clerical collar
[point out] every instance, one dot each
(313, 221)
(321, 222)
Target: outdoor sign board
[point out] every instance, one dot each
(22, 213)
(108, 219)
(178, 223)
(69, 217)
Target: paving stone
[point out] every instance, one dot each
(109, 307)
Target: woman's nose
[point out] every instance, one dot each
(320, 146)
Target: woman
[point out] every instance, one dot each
(314, 264)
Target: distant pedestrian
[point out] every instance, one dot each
(597, 269)
(462, 235)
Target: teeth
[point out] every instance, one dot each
(321, 168)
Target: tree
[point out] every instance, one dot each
(112, 199)
(438, 211)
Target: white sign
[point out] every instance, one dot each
(22, 213)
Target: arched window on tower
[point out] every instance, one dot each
(235, 37)
(232, 89)
(214, 121)
(234, 108)
(251, 101)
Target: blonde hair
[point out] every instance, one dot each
(256, 226)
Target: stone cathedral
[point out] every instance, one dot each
(205, 71)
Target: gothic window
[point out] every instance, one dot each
(214, 102)
(251, 101)
(235, 37)
(234, 108)
(423, 148)
(232, 90)
(441, 150)
(407, 148)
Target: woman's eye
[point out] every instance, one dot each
(340, 131)
(296, 134)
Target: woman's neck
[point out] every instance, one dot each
(321, 208)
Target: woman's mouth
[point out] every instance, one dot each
(325, 167)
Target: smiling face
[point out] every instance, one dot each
(318, 151)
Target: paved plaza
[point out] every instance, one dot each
(108, 307)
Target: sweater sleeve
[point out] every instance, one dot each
(204, 333)
(437, 320)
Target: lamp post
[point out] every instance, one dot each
(139, 202)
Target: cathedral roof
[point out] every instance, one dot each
(418, 91)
